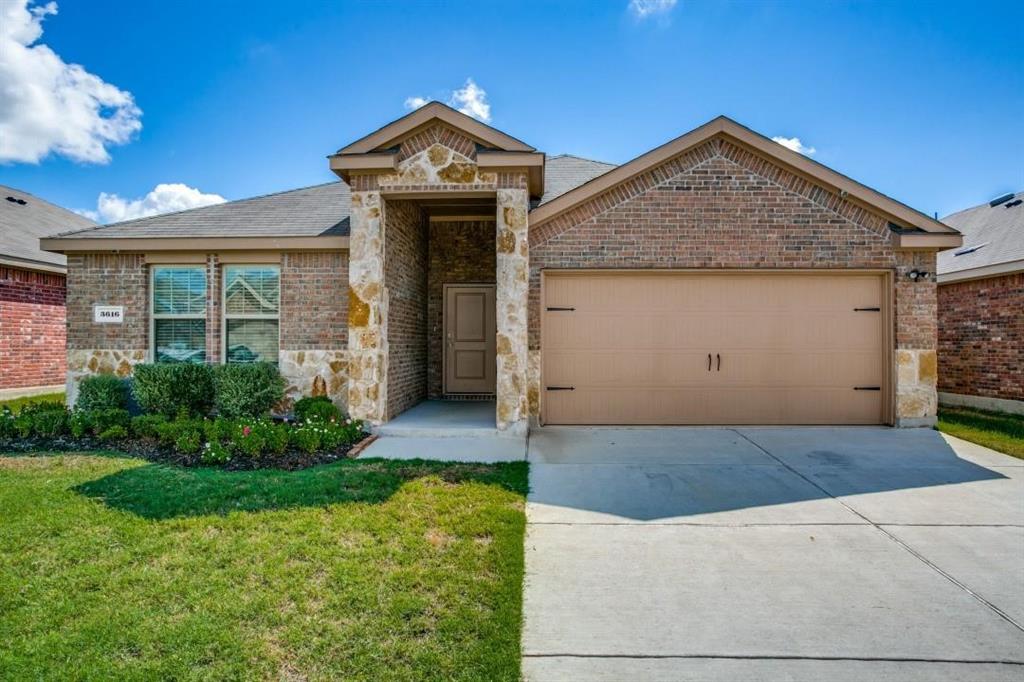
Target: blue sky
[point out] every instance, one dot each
(922, 101)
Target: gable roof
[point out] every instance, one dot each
(723, 126)
(387, 135)
(993, 241)
(26, 219)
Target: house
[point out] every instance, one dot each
(981, 308)
(717, 279)
(32, 354)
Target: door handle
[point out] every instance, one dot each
(717, 355)
(709, 362)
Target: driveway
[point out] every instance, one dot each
(772, 553)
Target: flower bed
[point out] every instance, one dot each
(247, 439)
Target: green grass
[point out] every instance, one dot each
(17, 403)
(996, 430)
(116, 568)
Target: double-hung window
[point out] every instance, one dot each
(251, 311)
(178, 332)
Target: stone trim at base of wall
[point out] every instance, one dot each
(29, 391)
(916, 422)
(83, 363)
(980, 402)
(314, 372)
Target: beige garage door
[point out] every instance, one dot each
(729, 348)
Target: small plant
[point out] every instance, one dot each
(49, 423)
(145, 425)
(218, 430)
(186, 430)
(79, 424)
(102, 392)
(102, 420)
(114, 433)
(169, 388)
(317, 408)
(7, 429)
(189, 442)
(247, 390)
(215, 453)
(307, 438)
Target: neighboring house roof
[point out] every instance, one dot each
(26, 219)
(321, 210)
(993, 240)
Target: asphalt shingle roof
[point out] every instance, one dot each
(307, 212)
(22, 224)
(998, 231)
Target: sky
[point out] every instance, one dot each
(122, 109)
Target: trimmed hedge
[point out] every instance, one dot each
(248, 390)
(174, 389)
(102, 392)
(316, 409)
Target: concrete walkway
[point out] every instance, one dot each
(775, 553)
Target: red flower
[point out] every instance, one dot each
(246, 430)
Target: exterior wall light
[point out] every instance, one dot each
(916, 275)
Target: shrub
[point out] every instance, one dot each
(7, 429)
(114, 433)
(79, 424)
(189, 442)
(307, 438)
(103, 420)
(317, 408)
(144, 426)
(170, 388)
(247, 390)
(49, 423)
(215, 453)
(102, 392)
(185, 430)
(218, 430)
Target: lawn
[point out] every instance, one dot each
(17, 403)
(996, 430)
(115, 568)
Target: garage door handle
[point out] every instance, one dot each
(560, 388)
(555, 309)
(719, 361)
(867, 310)
(709, 362)
(867, 388)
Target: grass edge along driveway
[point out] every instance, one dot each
(113, 567)
(999, 431)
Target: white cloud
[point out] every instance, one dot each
(470, 99)
(49, 106)
(795, 144)
(165, 198)
(642, 9)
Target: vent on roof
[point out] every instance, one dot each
(1018, 202)
(969, 249)
(1001, 200)
(20, 202)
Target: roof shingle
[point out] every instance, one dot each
(995, 233)
(22, 224)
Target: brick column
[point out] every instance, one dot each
(367, 310)
(513, 269)
(916, 341)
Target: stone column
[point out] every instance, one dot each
(513, 268)
(916, 341)
(367, 310)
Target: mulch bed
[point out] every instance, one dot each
(290, 460)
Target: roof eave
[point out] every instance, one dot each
(981, 272)
(183, 244)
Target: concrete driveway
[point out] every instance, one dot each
(772, 553)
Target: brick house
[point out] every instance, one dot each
(718, 279)
(32, 353)
(981, 308)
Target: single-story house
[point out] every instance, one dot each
(717, 279)
(981, 308)
(32, 292)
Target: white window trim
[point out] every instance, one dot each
(224, 317)
(154, 316)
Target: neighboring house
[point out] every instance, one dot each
(981, 308)
(32, 353)
(718, 279)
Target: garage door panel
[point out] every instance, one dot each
(635, 348)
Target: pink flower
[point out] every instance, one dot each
(246, 430)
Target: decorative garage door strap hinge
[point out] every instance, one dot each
(867, 388)
(556, 309)
(867, 310)
(560, 388)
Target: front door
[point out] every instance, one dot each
(469, 331)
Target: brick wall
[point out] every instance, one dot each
(107, 279)
(314, 300)
(461, 252)
(32, 336)
(405, 280)
(981, 337)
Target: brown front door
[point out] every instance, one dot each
(469, 335)
(724, 348)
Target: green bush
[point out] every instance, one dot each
(79, 425)
(102, 420)
(7, 429)
(215, 453)
(114, 433)
(186, 430)
(102, 392)
(218, 430)
(307, 438)
(172, 388)
(248, 390)
(49, 423)
(144, 426)
(189, 442)
(317, 408)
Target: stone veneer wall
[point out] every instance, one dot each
(405, 286)
(721, 206)
(32, 333)
(981, 337)
(461, 252)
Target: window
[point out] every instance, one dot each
(251, 306)
(178, 331)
